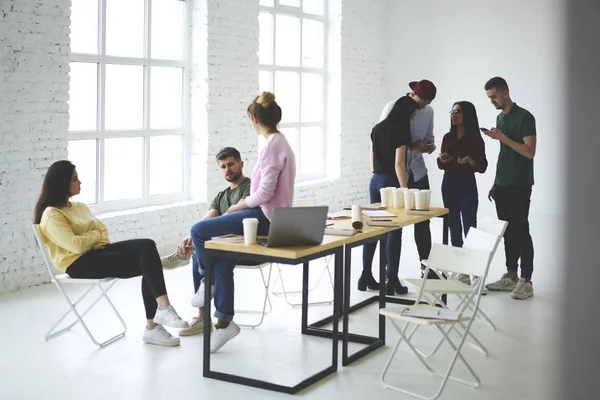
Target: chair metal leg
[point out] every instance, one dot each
(287, 293)
(51, 334)
(267, 300)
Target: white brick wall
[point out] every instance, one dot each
(33, 115)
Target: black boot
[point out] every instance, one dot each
(394, 286)
(366, 281)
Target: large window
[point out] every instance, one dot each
(128, 102)
(292, 65)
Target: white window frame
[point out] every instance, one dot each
(101, 59)
(272, 68)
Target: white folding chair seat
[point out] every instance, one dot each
(446, 259)
(266, 300)
(308, 202)
(104, 285)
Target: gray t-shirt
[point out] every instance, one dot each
(228, 197)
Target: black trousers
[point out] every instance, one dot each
(512, 205)
(125, 259)
(422, 229)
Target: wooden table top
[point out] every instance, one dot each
(329, 241)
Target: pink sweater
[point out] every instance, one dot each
(273, 176)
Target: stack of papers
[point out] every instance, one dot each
(377, 213)
(231, 238)
(430, 313)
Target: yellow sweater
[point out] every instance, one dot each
(71, 231)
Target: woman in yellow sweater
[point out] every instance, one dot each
(78, 244)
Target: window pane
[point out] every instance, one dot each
(287, 41)
(83, 96)
(166, 165)
(265, 40)
(312, 97)
(311, 151)
(83, 153)
(124, 101)
(166, 97)
(267, 3)
(264, 81)
(292, 3)
(125, 28)
(84, 26)
(287, 91)
(312, 43)
(168, 25)
(313, 7)
(123, 162)
(291, 134)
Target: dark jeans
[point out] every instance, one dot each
(459, 192)
(512, 205)
(394, 238)
(125, 259)
(422, 229)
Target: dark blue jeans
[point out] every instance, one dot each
(459, 192)
(223, 267)
(394, 238)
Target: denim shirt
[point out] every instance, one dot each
(421, 128)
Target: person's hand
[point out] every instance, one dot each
(185, 246)
(445, 158)
(423, 146)
(491, 195)
(495, 133)
(233, 209)
(466, 160)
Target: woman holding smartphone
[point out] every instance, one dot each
(463, 154)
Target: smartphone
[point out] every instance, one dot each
(428, 144)
(484, 129)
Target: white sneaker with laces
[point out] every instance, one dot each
(160, 336)
(168, 316)
(196, 327)
(221, 336)
(523, 290)
(504, 284)
(198, 299)
(174, 260)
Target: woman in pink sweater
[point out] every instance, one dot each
(272, 186)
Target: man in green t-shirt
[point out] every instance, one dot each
(231, 165)
(515, 130)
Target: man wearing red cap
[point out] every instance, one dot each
(423, 92)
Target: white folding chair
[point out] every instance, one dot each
(308, 202)
(267, 299)
(104, 285)
(451, 285)
(446, 259)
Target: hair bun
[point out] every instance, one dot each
(265, 99)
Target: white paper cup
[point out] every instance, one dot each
(398, 198)
(250, 229)
(428, 198)
(386, 197)
(421, 200)
(409, 199)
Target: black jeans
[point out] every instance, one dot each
(422, 229)
(125, 259)
(459, 192)
(512, 205)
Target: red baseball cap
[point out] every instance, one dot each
(424, 89)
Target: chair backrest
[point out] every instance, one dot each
(459, 260)
(492, 225)
(307, 202)
(479, 240)
(49, 264)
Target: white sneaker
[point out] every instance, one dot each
(198, 299)
(523, 290)
(160, 336)
(168, 316)
(196, 327)
(174, 260)
(221, 336)
(504, 284)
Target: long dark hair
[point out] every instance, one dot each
(55, 189)
(398, 120)
(470, 121)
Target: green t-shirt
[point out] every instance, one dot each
(512, 168)
(228, 197)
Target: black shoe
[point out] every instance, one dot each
(366, 281)
(394, 286)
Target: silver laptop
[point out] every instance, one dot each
(296, 226)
